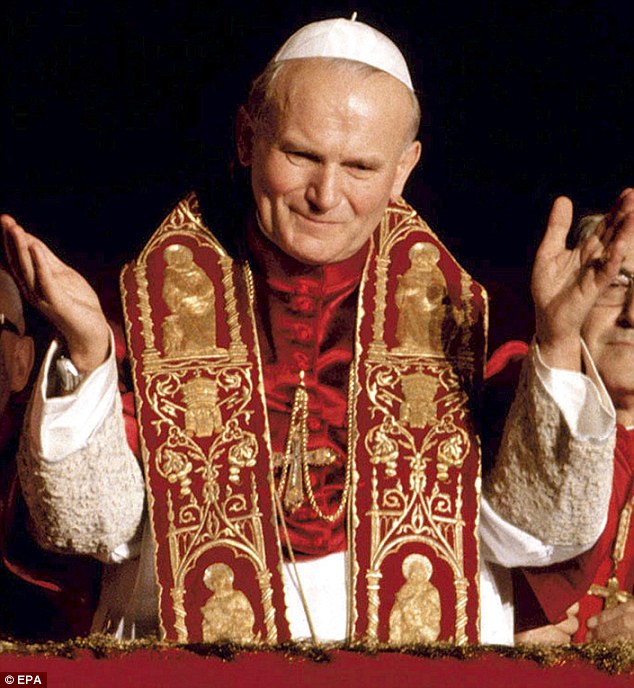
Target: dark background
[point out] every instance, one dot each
(111, 111)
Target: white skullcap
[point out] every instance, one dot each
(348, 39)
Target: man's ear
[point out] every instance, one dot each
(406, 164)
(20, 363)
(244, 136)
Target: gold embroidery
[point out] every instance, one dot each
(611, 592)
(416, 614)
(202, 415)
(227, 614)
(418, 399)
(202, 421)
(418, 408)
(189, 294)
(418, 511)
(297, 459)
(219, 514)
(420, 298)
(384, 449)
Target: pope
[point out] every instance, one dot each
(304, 381)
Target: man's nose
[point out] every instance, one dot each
(324, 188)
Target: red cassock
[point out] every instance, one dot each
(559, 586)
(306, 319)
(544, 594)
(43, 595)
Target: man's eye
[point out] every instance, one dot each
(361, 169)
(301, 156)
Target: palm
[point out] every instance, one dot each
(60, 293)
(567, 282)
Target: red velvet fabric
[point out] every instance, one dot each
(557, 587)
(176, 667)
(552, 589)
(306, 320)
(43, 595)
(501, 357)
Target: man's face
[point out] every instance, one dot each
(331, 155)
(609, 334)
(16, 352)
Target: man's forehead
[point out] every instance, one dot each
(309, 88)
(301, 77)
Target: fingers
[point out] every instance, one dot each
(613, 624)
(617, 220)
(625, 224)
(43, 279)
(544, 635)
(558, 226)
(570, 625)
(16, 244)
(603, 252)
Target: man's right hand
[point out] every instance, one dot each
(59, 293)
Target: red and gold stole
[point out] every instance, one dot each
(418, 366)
(413, 453)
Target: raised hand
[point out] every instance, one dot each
(60, 293)
(567, 282)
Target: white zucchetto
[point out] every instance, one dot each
(348, 39)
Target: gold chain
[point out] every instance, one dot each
(611, 592)
(346, 485)
(299, 426)
(297, 442)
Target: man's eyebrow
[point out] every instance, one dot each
(289, 144)
(371, 162)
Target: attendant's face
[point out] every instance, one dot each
(333, 151)
(609, 334)
(5, 380)
(16, 352)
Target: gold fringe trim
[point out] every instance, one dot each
(613, 658)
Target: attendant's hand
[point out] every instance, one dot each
(553, 634)
(612, 624)
(567, 282)
(60, 293)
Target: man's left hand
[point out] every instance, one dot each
(567, 282)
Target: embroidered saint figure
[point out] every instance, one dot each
(420, 301)
(416, 614)
(189, 295)
(227, 614)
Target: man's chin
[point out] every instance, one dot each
(310, 252)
